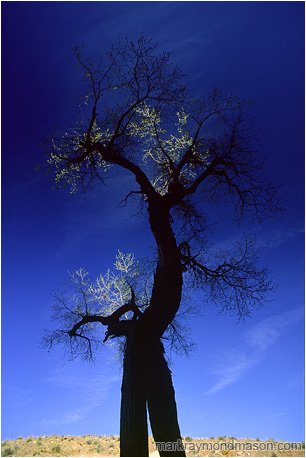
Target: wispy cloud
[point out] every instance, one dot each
(237, 364)
(264, 238)
(90, 391)
(279, 236)
(234, 363)
(264, 334)
(68, 418)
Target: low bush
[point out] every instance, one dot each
(7, 451)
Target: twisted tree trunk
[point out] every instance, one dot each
(133, 418)
(162, 406)
(146, 383)
(146, 376)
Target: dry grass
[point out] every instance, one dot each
(109, 446)
(64, 446)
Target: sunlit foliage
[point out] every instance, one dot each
(183, 153)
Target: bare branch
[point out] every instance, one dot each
(235, 283)
(83, 306)
(140, 118)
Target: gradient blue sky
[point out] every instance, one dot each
(244, 380)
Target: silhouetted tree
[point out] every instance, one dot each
(183, 153)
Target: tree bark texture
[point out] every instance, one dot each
(146, 377)
(146, 383)
(162, 405)
(168, 281)
(133, 418)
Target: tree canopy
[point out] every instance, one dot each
(184, 153)
(142, 118)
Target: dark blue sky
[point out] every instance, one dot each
(244, 380)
